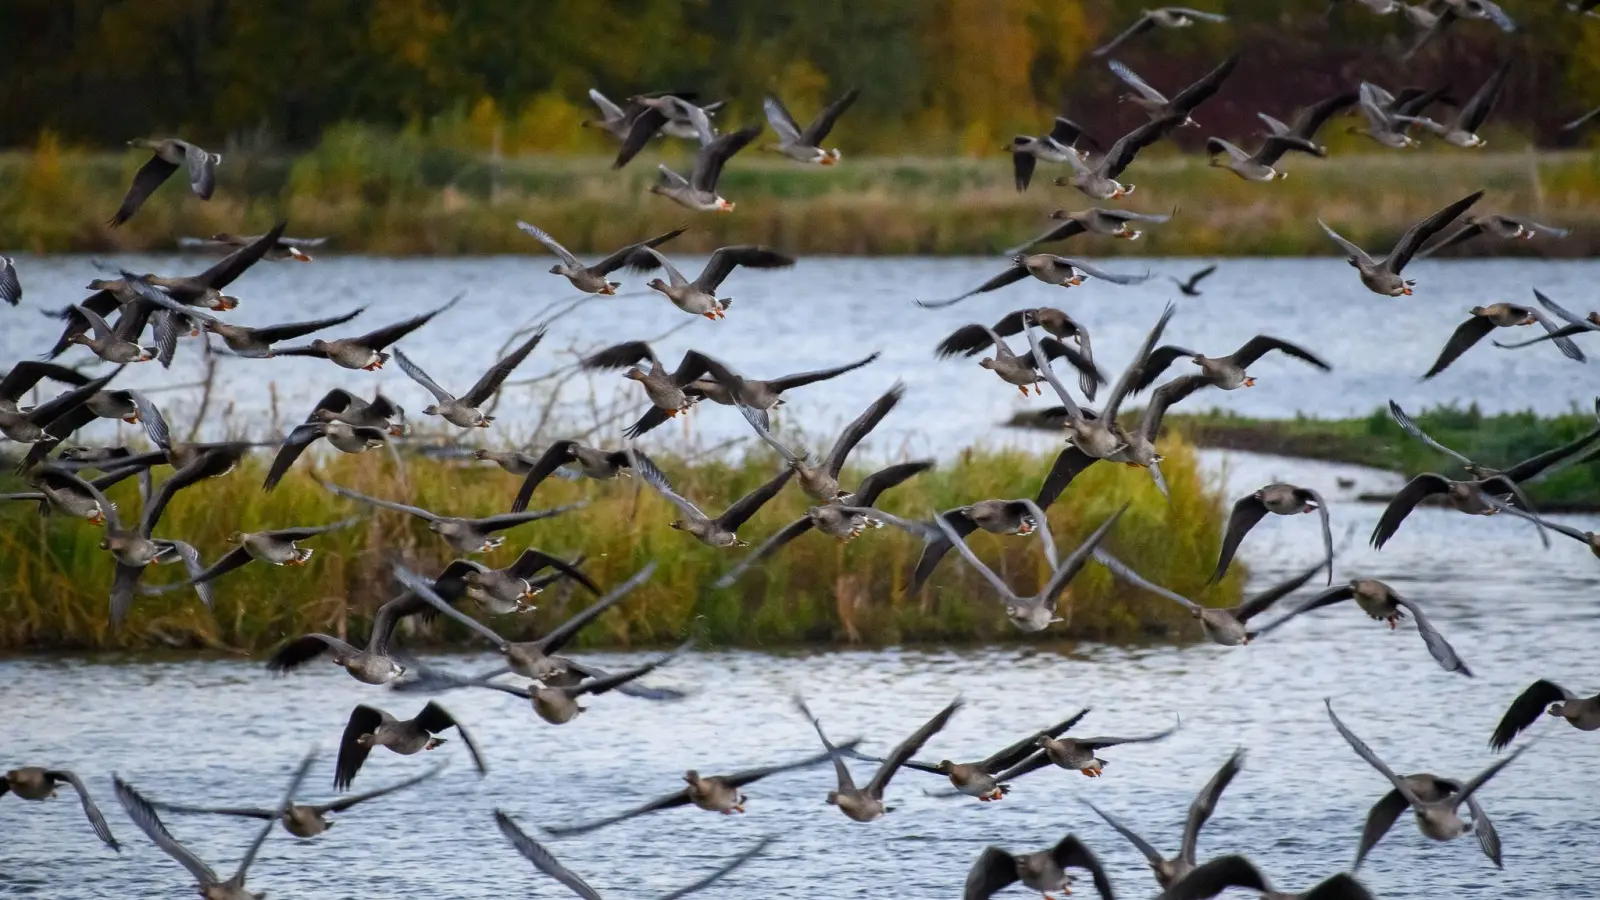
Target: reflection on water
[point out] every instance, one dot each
(828, 310)
(226, 732)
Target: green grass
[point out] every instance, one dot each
(1375, 440)
(54, 581)
(399, 194)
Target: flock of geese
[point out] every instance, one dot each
(554, 685)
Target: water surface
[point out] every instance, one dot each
(224, 731)
(827, 311)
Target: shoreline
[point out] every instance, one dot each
(387, 198)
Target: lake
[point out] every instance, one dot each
(833, 310)
(222, 731)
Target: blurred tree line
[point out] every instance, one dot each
(938, 76)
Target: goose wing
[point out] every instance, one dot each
(500, 371)
(1129, 145)
(417, 511)
(1420, 233)
(908, 748)
(1477, 108)
(144, 815)
(1461, 340)
(550, 244)
(1526, 710)
(1132, 79)
(383, 337)
(150, 176)
(90, 810)
(746, 506)
(541, 858)
(781, 121)
(712, 157)
(1423, 485)
(1190, 98)
(415, 373)
(1011, 275)
(1438, 647)
(822, 125)
(1205, 803)
(863, 425)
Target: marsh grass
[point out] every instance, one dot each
(54, 580)
(377, 192)
(1375, 440)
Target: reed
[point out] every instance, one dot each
(54, 580)
(401, 194)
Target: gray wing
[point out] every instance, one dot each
(1483, 830)
(1482, 778)
(1477, 109)
(193, 567)
(1438, 647)
(1003, 589)
(344, 803)
(500, 371)
(374, 501)
(1247, 511)
(822, 125)
(1041, 362)
(1131, 79)
(857, 430)
(102, 330)
(1380, 819)
(908, 748)
(656, 479)
(1098, 743)
(1205, 803)
(535, 853)
(1102, 274)
(202, 170)
(1130, 375)
(96, 821)
(1126, 573)
(1365, 752)
(780, 120)
(1410, 427)
(423, 588)
(1143, 846)
(300, 534)
(10, 287)
(416, 374)
(720, 873)
(758, 420)
(771, 545)
(549, 242)
(1420, 233)
(243, 812)
(150, 176)
(846, 783)
(1198, 14)
(1076, 560)
(1145, 23)
(144, 816)
(1359, 254)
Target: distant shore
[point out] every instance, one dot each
(394, 197)
(1376, 441)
